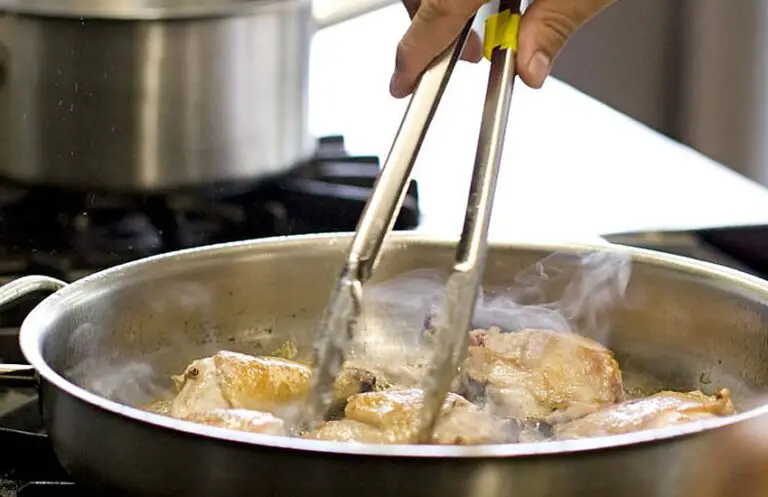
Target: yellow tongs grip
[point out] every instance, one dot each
(501, 31)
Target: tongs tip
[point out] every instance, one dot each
(336, 331)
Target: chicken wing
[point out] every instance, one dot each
(539, 375)
(230, 380)
(657, 411)
(393, 417)
(240, 420)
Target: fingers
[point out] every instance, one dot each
(435, 25)
(473, 50)
(411, 6)
(544, 30)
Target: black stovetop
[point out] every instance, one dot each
(66, 233)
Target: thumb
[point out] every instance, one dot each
(544, 30)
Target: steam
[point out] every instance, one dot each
(106, 365)
(395, 314)
(564, 292)
(134, 383)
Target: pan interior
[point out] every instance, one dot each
(122, 334)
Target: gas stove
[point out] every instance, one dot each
(70, 234)
(67, 234)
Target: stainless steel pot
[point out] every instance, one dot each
(150, 96)
(99, 342)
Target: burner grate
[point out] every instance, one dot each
(11, 488)
(59, 232)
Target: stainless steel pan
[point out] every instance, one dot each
(100, 342)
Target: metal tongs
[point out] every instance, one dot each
(452, 323)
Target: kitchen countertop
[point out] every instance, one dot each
(573, 167)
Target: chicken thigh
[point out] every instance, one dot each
(657, 411)
(240, 420)
(230, 380)
(539, 375)
(393, 417)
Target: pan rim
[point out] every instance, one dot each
(35, 327)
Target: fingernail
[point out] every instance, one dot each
(393, 85)
(396, 86)
(539, 68)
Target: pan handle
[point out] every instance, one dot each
(10, 293)
(16, 289)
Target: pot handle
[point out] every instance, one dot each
(328, 13)
(18, 288)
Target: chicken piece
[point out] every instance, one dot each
(393, 417)
(230, 380)
(240, 420)
(199, 390)
(159, 407)
(539, 375)
(348, 430)
(390, 376)
(351, 381)
(238, 381)
(657, 411)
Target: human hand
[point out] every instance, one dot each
(544, 30)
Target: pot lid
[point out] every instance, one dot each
(141, 9)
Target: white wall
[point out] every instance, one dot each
(696, 70)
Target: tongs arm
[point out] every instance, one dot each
(381, 210)
(337, 324)
(462, 288)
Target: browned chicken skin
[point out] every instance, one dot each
(535, 377)
(230, 380)
(393, 417)
(240, 420)
(540, 375)
(349, 430)
(657, 411)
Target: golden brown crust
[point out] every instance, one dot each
(535, 374)
(661, 410)
(240, 420)
(260, 383)
(536, 377)
(393, 417)
(348, 430)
